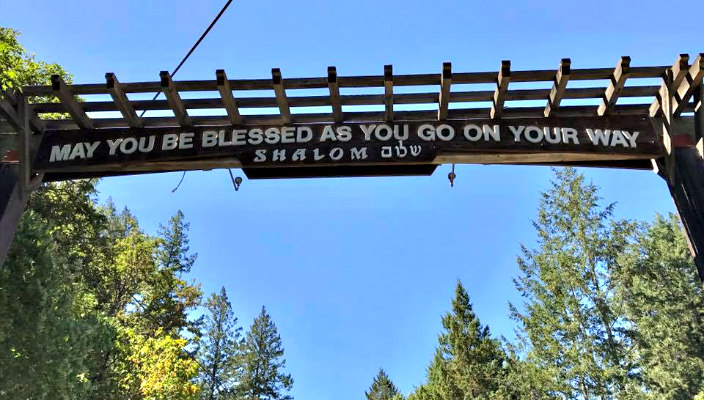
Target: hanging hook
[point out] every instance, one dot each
(236, 182)
(451, 176)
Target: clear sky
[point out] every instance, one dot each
(357, 272)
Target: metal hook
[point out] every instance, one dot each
(451, 176)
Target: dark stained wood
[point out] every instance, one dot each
(23, 146)
(445, 83)
(388, 93)
(228, 101)
(616, 84)
(71, 105)
(121, 101)
(174, 99)
(688, 86)
(35, 122)
(281, 99)
(502, 82)
(558, 87)
(334, 87)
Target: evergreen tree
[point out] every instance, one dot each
(665, 304)
(382, 388)
(573, 322)
(219, 349)
(468, 363)
(263, 362)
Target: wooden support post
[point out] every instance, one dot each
(35, 123)
(281, 100)
(174, 99)
(72, 106)
(23, 146)
(444, 99)
(558, 87)
(388, 93)
(334, 87)
(227, 99)
(613, 91)
(692, 81)
(121, 101)
(502, 82)
(680, 69)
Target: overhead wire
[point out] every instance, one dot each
(178, 67)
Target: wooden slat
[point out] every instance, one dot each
(680, 69)
(281, 99)
(23, 146)
(71, 105)
(121, 101)
(388, 93)
(445, 83)
(334, 88)
(502, 82)
(689, 85)
(174, 99)
(228, 100)
(35, 122)
(558, 87)
(618, 81)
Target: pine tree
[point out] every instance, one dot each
(263, 362)
(469, 363)
(573, 324)
(382, 388)
(664, 302)
(219, 349)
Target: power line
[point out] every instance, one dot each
(193, 48)
(200, 39)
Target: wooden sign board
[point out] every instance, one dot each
(354, 148)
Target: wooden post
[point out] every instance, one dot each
(16, 183)
(334, 87)
(558, 87)
(502, 82)
(388, 93)
(281, 99)
(444, 97)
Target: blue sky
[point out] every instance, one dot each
(357, 272)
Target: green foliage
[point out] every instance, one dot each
(219, 351)
(18, 67)
(573, 320)
(263, 362)
(664, 300)
(468, 363)
(382, 388)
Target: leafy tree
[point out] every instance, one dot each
(262, 362)
(468, 363)
(382, 388)
(219, 349)
(665, 304)
(573, 321)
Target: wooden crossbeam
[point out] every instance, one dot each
(334, 87)
(662, 107)
(502, 82)
(558, 87)
(121, 101)
(445, 83)
(174, 99)
(23, 145)
(388, 93)
(281, 99)
(616, 84)
(72, 106)
(680, 69)
(692, 81)
(227, 99)
(11, 102)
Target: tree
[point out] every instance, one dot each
(573, 321)
(382, 388)
(665, 306)
(219, 349)
(262, 362)
(468, 363)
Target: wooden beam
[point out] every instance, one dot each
(334, 88)
(662, 109)
(72, 106)
(502, 82)
(388, 93)
(35, 122)
(616, 84)
(692, 81)
(121, 101)
(444, 99)
(174, 99)
(558, 87)
(227, 99)
(23, 146)
(680, 69)
(281, 99)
